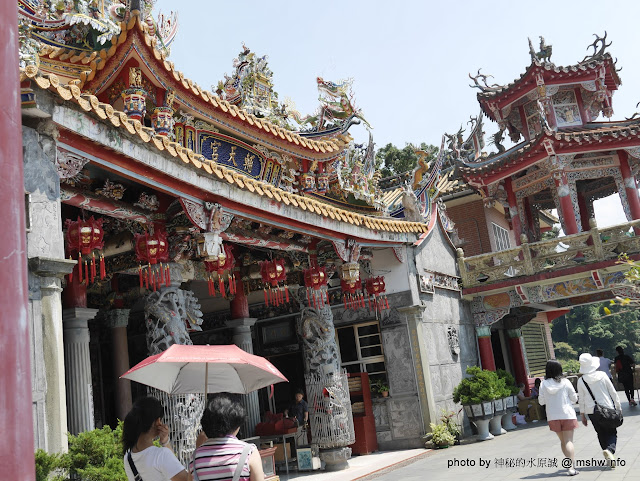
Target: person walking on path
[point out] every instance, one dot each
(558, 395)
(605, 364)
(143, 460)
(222, 456)
(595, 386)
(625, 367)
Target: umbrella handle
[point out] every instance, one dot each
(206, 383)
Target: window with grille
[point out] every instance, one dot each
(361, 349)
(501, 239)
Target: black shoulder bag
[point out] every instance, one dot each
(136, 474)
(606, 417)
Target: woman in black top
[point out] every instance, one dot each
(625, 365)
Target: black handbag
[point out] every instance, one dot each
(606, 417)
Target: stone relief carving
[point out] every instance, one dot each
(454, 341)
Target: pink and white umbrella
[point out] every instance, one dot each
(184, 369)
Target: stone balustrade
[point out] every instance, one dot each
(533, 258)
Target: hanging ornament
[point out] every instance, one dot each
(152, 249)
(375, 289)
(217, 265)
(315, 279)
(273, 273)
(84, 237)
(351, 285)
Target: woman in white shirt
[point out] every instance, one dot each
(141, 426)
(606, 396)
(558, 395)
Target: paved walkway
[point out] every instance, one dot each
(529, 452)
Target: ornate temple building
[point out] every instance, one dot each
(160, 212)
(564, 158)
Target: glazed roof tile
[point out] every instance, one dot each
(90, 103)
(97, 61)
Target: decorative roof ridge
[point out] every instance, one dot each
(97, 61)
(548, 66)
(90, 103)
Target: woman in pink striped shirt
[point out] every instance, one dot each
(223, 456)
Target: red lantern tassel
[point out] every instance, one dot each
(86, 271)
(221, 285)
(103, 270)
(266, 300)
(386, 300)
(286, 292)
(369, 301)
(232, 284)
(168, 276)
(79, 268)
(93, 267)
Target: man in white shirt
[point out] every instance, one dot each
(605, 363)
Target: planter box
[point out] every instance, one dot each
(498, 405)
(479, 411)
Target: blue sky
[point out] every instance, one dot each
(410, 60)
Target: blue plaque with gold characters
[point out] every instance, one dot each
(231, 153)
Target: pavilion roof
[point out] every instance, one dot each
(596, 136)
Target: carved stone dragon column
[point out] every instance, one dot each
(168, 312)
(327, 388)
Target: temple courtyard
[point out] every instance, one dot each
(532, 451)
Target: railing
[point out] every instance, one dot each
(533, 258)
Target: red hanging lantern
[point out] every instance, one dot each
(351, 285)
(224, 261)
(84, 237)
(315, 279)
(273, 273)
(376, 288)
(153, 249)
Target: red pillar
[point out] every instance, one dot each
(16, 418)
(629, 185)
(564, 195)
(517, 357)
(239, 305)
(484, 347)
(513, 210)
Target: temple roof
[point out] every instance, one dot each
(90, 103)
(596, 136)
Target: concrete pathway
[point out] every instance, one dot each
(529, 452)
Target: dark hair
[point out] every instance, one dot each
(554, 370)
(223, 416)
(599, 352)
(298, 391)
(139, 420)
(619, 349)
(537, 381)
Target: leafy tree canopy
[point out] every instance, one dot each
(391, 160)
(596, 326)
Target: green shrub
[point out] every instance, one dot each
(482, 385)
(448, 419)
(93, 456)
(509, 381)
(46, 464)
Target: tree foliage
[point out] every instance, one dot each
(391, 160)
(482, 385)
(596, 326)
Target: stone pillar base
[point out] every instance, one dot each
(335, 459)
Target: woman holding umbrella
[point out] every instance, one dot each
(223, 456)
(142, 460)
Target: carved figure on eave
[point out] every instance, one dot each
(497, 139)
(412, 208)
(544, 54)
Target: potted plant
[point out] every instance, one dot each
(500, 410)
(440, 436)
(476, 393)
(511, 400)
(380, 387)
(449, 419)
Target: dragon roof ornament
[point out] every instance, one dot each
(599, 46)
(465, 150)
(336, 113)
(356, 174)
(484, 87)
(544, 55)
(89, 25)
